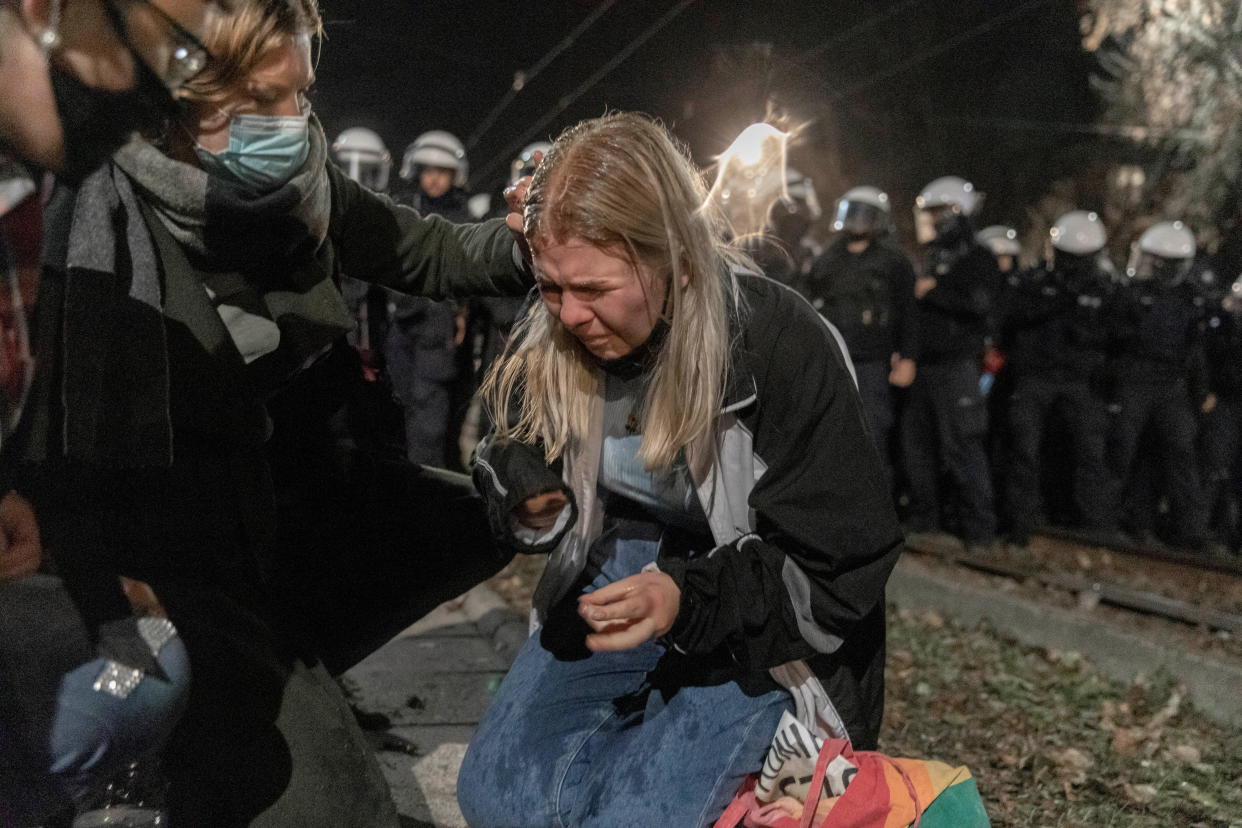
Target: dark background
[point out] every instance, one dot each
(891, 93)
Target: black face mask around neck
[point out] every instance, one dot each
(640, 359)
(96, 122)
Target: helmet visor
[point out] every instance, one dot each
(1148, 267)
(858, 218)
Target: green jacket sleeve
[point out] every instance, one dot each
(386, 244)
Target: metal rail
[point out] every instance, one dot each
(1104, 591)
(1193, 560)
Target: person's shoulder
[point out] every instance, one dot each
(980, 256)
(767, 300)
(888, 249)
(782, 329)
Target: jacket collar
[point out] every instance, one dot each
(16, 184)
(741, 390)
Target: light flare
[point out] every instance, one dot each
(750, 178)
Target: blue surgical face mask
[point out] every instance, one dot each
(264, 151)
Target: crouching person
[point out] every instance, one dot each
(685, 439)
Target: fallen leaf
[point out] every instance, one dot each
(1170, 709)
(1140, 794)
(1126, 741)
(1071, 764)
(932, 619)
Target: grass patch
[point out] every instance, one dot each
(1051, 740)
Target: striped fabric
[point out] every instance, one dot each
(853, 789)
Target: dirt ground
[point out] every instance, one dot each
(1050, 740)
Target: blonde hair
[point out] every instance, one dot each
(238, 42)
(622, 180)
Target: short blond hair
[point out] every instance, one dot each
(239, 42)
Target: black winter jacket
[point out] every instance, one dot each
(868, 296)
(1158, 336)
(953, 316)
(804, 529)
(1051, 326)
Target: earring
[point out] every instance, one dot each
(49, 41)
(49, 38)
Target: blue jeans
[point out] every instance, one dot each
(577, 739)
(59, 736)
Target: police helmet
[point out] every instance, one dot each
(1163, 253)
(361, 153)
(801, 191)
(949, 191)
(524, 164)
(1000, 239)
(1232, 300)
(1079, 233)
(436, 148)
(944, 207)
(862, 211)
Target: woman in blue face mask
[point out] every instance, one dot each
(180, 437)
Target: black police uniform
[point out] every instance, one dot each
(946, 419)
(869, 297)
(1054, 334)
(1221, 435)
(431, 376)
(1160, 381)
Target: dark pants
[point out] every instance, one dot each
(1033, 400)
(946, 422)
(877, 400)
(422, 362)
(1219, 442)
(1164, 408)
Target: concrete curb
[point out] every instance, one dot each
(1214, 686)
(497, 621)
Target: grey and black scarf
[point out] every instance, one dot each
(115, 385)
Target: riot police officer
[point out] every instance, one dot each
(432, 376)
(786, 255)
(526, 162)
(1002, 240)
(864, 285)
(363, 156)
(1160, 373)
(997, 380)
(946, 421)
(361, 153)
(1052, 323)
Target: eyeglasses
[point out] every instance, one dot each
(188, 56)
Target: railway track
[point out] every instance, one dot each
(1215, 563)
(1088, 590)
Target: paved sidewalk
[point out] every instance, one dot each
(424, 693)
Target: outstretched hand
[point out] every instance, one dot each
(631, 611)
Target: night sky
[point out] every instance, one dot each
(892, 92)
